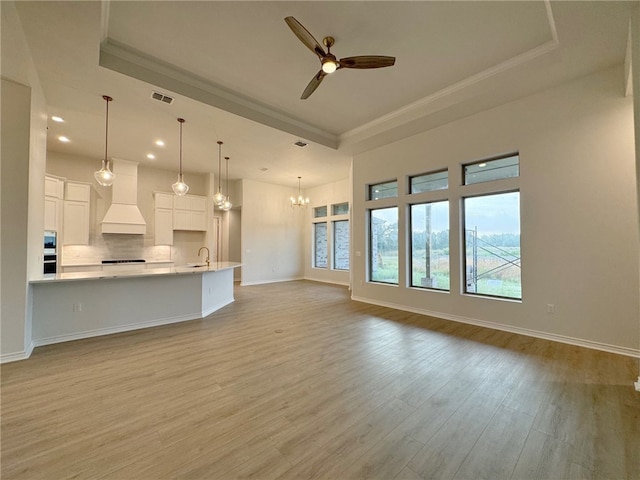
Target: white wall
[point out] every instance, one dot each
(578, 212)
(635, 67)
(332, 193)
(24, 118)
(272, 234)
(235, 240)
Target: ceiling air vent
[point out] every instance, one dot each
(300, 143)
(162, 97)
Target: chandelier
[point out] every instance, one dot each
(299, 201)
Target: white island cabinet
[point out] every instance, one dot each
(71, 306)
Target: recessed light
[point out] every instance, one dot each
(151, 156)
(57, 119)
(482, 165)
(63, 139)
(160, 143)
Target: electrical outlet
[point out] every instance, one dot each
(551, 308)
(77, 307)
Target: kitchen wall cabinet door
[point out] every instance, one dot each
(53, 191)
(53, 187)
(76, 223)
(163, 228)
(190, 213)
(51, 214)
(80, 192)
(163, 218)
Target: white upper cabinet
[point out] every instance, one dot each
(53, 191)
(190, 213)
(76, 213)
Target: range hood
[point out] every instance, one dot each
(123, 215)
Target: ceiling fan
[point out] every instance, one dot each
(329, 62)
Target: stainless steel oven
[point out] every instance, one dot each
(50, 243)
(50, 262)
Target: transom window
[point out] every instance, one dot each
(383, 190)
(489, 170)
(429, 182)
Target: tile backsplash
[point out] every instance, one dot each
(121, 247)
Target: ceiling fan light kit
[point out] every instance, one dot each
(328, 61)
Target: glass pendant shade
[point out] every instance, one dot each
(218, 198)
(105, 176)
(299, 201)
(180, 188)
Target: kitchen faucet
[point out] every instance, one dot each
(205, 248)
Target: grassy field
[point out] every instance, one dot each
(503, 282)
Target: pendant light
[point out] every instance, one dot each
(226, 205)
(300, 201)
(180, 188)
(218, 198)
(105, 176)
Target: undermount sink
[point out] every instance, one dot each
(196, 265)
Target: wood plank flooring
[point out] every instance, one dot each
(295, 381)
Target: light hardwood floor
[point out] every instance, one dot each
(295, 381)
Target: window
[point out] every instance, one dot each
(383, 190)
(341, 245)
(320, 245)
(429, 182)
(430, 245)
(489, 170)
(340, 208)
(319, 212)
(492, 245)
(383, 245)
(331, 246)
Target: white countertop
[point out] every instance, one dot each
(143, 272)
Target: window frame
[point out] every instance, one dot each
(431, 172)
(463, 242)
(370, 243)
(372, 185)
(333, 245)
(315, 244)
(410, 243)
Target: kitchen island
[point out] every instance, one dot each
(71, 306)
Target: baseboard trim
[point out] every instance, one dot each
(17, 356)
(579, 342)
(216, 307)
(111, 330)
(265, 282)
(323, 280)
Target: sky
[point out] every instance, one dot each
(491, 214)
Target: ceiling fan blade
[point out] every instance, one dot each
(313, 84)
(305, 37)
(367, 61)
